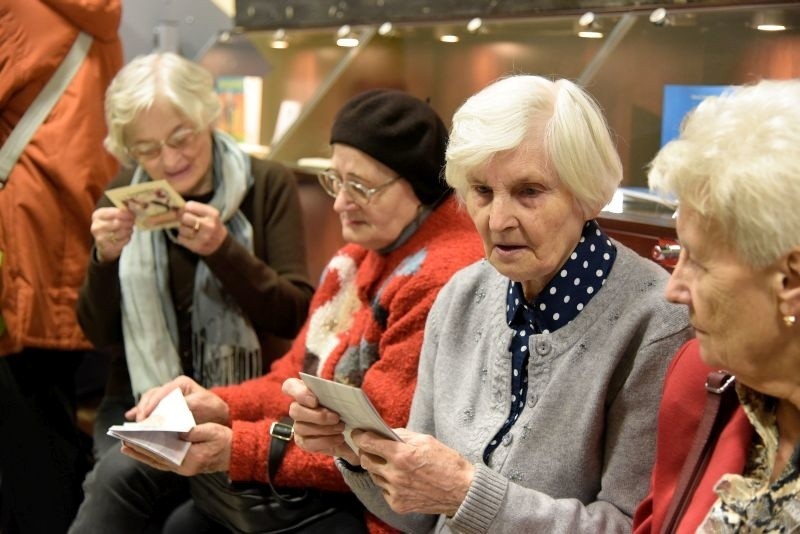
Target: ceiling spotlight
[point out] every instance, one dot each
(345, 37)
(445, 34)
(588, 27)
(769, 20)
(474, 25)
(385, 29)
(279, 40)
(587, 19)
(343, 31)
(660, 17)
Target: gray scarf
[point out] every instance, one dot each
(225, 347)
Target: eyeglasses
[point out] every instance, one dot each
(152, 149)
(332, 183)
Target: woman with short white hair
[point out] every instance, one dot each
(209, 297)
(534, 408)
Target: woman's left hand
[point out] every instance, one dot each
(201, 229)
(419, 474)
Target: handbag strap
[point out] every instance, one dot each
(720, 400)
(40, 108)
(281, 433)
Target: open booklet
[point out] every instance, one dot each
(159, 432)
(352, 405)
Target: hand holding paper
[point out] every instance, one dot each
(159, 433)
(352, 405)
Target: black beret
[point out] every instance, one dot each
(402, 132)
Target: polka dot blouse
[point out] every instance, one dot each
(559, 302)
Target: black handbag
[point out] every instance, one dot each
(254, 508)
(261, 508)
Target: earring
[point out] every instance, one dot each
(789, 320)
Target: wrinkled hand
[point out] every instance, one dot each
(210, 451)
(316, 429)
(419, 474)
(205, 406)
(111, 229)
(201, 229)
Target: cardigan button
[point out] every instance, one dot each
(542, 347)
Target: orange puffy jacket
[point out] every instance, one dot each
(46, 206)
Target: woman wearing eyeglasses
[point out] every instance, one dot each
(210, 298)
(406, 237)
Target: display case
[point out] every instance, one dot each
(636, 51)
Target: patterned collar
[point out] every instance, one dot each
(750, 502)
(563, 298)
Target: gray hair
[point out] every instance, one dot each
(184, 84)
(576, 138)
(736, 163)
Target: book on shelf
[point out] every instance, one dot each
(241, 98)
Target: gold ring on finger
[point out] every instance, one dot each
(196, 227)
(112, 237)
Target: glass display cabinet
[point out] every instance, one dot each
(626, 60)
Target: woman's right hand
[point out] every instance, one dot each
(316, 429)
(112, 229)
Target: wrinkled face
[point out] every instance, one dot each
(377, 223)
(732, 306)
(528, 221)
(183, 154)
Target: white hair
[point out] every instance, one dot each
(736, 163)
(184, 84)
(577, 141)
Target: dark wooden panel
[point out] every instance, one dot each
(641, 234)
(271, 14)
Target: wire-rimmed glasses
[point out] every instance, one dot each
(152, 149)
(332, 183)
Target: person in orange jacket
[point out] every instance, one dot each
(45, 211)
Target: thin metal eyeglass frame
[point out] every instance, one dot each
(182, 144)
(362, 194)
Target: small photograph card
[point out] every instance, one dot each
(159, 433)
(156, 204)
(352, 405)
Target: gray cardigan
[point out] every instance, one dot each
(579, 457)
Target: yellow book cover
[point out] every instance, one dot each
(240, 97)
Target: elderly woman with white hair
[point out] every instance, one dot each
(537, 387)
(209, 298)
(736, 174)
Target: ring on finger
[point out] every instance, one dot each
(112, 237)
(196, 226)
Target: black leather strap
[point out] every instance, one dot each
(281, 433)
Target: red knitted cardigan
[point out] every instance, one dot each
(390, 296)
(678, 418)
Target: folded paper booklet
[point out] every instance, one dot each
(156, 204)
(352, 405)
(159, 433)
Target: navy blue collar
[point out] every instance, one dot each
(570, 290)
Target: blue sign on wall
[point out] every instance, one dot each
(678, 101)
